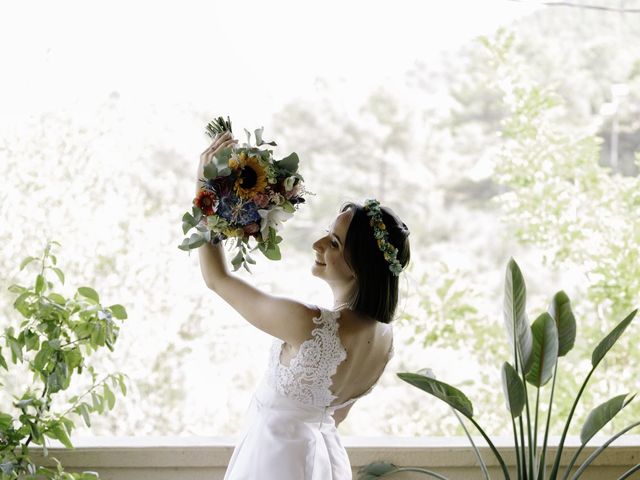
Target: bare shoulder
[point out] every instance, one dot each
(300, 321)
(354, 325)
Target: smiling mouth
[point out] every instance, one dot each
(318, 263)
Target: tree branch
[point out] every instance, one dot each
(577, 5)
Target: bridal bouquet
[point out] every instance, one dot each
(245, 194)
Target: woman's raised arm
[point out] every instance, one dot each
(281, 317)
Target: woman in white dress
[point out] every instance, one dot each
(321, 359)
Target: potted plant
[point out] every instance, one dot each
(537, 349)
(53, 340)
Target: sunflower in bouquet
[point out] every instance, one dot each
(245, 193)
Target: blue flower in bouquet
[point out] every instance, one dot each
(248, 214)
(233, 210)
(226, 207)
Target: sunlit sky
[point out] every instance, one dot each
(63, 54)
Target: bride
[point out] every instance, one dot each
(322, 359)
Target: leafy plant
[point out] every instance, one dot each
(536, 349)
(54, 340)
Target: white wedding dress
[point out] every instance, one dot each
(291, 434)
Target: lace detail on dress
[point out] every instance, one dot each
(308, 376)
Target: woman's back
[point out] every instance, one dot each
(342, 358)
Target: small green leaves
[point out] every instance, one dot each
(6, 421)
(21, 304)
(59, 274)
(195, 240)
(26, 262)
(109, 396)
(188, 222)
(16, 349)
(89, 293)
(287, 206)
(40, 284)
(3, 362)
(222, 157)
(118, 311)
(16, 289)
(58, 431)
(83, 409)
(237, 260)
(210, 170)
(272, 252)
(31, 340)
(57, 298)
(121, 383)
(49, 343)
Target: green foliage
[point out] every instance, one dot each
(563, 199)
(448, 394)
(544, 332)
(54, 340)
(545, 350)
(513, 389)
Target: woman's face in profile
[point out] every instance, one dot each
(330, 263)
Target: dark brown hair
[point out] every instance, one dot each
(376, 294)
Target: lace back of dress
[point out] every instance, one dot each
(308, 377)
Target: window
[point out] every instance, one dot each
(100, 139)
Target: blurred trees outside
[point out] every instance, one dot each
(521, 144)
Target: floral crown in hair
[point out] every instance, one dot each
(372, 207)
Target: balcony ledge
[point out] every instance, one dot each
(191, 458)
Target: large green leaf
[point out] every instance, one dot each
(118, 311)
(59, 274)
(222, 157)
(560, 311)
(376, 470)
(3, 362)
(448, 394)
(58, 431)
(27, 261)
(6, 421)
(609, 341)
(289, 163)
(89, 293)
(210, 170)
(196, 240)
(545, 350)
(188, 222)
(513, 390)
(40, 284)
(602, 414)
(515, 316)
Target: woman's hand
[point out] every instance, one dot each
(220, 142)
